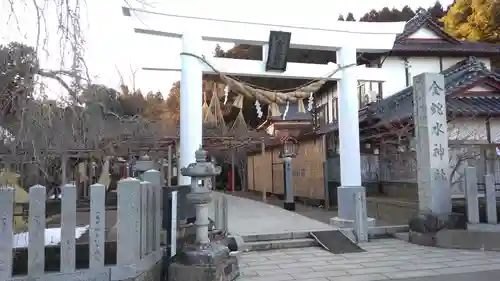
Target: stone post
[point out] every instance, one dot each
(6, 231)
(97, 226)
(145, 221)
(221, 214)
(128, 221)
(36, 230)
(471, 195)
(68, 225)
(360, 223)
(203, 260)
(491, 199)
(431, 130)
(154, 177)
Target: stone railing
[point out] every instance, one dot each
(96, 245)
(472, 196)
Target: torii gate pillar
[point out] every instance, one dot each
(191, 102)
(351, 194)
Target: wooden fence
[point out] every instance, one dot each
(137, 231)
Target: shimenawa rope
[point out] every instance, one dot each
(266, 95)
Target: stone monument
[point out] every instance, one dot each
(204, 260)
(431, 133)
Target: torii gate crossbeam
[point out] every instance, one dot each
(345, 38)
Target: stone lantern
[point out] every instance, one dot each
(289, 151)
(143, 164)
(201, 173)
(204, 259)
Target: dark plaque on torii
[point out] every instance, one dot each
(277, 55)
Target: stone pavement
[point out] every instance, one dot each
(310, 211)
(247, 217)
(319, 213)
(491, 275)
(387, 259)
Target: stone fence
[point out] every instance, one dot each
(127, 247)
(478, 211)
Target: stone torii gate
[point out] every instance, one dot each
(344, 38)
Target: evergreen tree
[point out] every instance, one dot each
(386, 15)
(350, 17)
(437, 11)
(407, 13)
(370, 16)
(392, 15)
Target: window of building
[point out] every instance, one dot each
(335, 107)
(322, 114)
(361, 93)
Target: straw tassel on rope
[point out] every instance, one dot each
(238, 102)
(205, 105)
(274, 109)
(226, 93)
(300, 106)
(239, 123)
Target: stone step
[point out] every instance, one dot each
(280, 244)
(275, 236)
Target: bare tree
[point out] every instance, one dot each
(35, 130)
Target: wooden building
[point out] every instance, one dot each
(265, 170)
(265, 167)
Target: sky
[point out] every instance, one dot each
(112, 50)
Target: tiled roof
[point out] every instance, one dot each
(400, 105)
(475, 104)
(458, 76)
(463, 47)
(446, 44)
(421, 18)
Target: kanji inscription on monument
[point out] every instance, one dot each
(431, 131)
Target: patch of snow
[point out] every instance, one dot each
(52, 236)
(53, 196)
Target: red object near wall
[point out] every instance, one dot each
(230, 186)
(124, 172)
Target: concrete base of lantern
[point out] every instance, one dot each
(210, 262)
